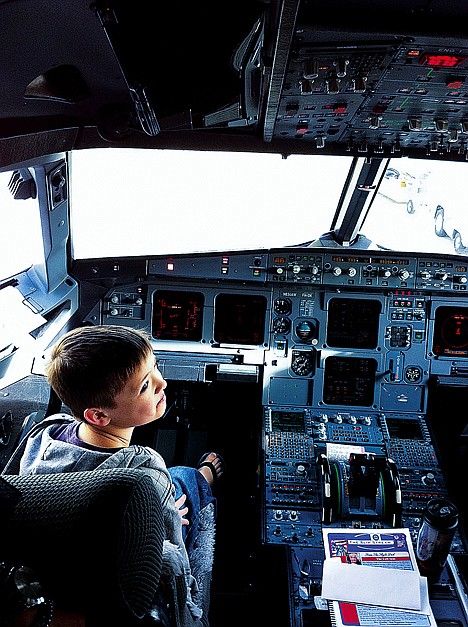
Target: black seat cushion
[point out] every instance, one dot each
(94, 538)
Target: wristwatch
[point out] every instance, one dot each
(21, 591)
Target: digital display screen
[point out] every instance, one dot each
(240, 319)
(451, 332)
(289, 421)
(349, 381)
(353, 323)
(394, 262)
(404, 429)
(177, 315)
(349, 259)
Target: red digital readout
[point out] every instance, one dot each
(441, 60)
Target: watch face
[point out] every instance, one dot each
(28, 586)
(19, 587)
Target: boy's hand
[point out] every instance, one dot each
(183, 511)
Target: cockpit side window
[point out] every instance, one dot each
(20, 236)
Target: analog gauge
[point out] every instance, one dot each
(282, 306)
(302, 362)
(281, 325)
(413, 374)
(305, 330)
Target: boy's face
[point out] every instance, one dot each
(142, 400)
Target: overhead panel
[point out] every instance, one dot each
(375, 94)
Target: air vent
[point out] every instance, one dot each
(22, 185)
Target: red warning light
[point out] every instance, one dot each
(442, 60)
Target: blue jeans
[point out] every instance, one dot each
(191, 482)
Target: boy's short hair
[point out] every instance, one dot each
(90, 365)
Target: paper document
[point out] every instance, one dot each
(391, 592)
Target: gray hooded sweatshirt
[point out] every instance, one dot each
(43, 454)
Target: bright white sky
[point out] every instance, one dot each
(184, 201)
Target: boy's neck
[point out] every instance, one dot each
(104, 437)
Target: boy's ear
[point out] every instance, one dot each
(96, 416)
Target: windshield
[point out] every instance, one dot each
(134, 202)
(129, 202)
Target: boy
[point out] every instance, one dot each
(108, 377)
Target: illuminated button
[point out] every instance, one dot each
(170, 266)
(339, 109)
(225, 261)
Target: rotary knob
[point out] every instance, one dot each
(352, 271)
(336, 271)
(404, 274)
(429, 479)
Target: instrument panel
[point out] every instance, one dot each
(344, 348)
(329, 329)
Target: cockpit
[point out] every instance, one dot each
(277, 198)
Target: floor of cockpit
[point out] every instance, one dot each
(249, 579)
